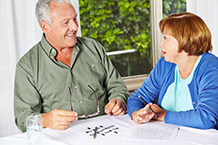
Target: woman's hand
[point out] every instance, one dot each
(143, 115)
(160, 112)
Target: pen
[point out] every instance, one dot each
(95, 132)
(149, 107)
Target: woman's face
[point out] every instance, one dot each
(170, 47)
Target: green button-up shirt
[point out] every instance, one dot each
(42, 83)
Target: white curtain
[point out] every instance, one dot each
(207, 10)
(19, 31)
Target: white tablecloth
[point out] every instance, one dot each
(76, 134)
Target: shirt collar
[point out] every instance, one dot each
(51, 51)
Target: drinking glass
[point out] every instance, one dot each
(35, 130)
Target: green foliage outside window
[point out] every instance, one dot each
(121, 25)
(173, 6)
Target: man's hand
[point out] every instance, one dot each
(115, 107)
(59, 119)
(143, 115)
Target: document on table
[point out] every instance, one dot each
(152, 131)
(108, 126)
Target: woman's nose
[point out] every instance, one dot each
(161, 44)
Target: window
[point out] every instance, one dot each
(173, 6)
(128, 30)
(123, 28)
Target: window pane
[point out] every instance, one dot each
(173, 6)
(120, 25)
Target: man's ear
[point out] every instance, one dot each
(44, 26)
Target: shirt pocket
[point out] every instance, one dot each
(93, 73)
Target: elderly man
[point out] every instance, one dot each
(65, 77)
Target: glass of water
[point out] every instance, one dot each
(35, 130)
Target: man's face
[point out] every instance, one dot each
(61, 33)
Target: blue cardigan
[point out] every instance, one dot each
(203, 89)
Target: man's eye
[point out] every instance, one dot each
(66, 22)
(164, 37)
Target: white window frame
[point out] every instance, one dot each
(156, 14)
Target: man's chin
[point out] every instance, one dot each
(72, 43)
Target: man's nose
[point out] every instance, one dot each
(74, 26)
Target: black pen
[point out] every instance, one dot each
(149, 107)
(95, 132)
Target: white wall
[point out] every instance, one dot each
(207, 10)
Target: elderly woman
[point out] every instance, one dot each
(185, 79)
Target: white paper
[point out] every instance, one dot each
(106, 128)
(152, 131)
(199, 136)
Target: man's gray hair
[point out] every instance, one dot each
(42, 10)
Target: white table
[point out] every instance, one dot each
(75, 134)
